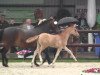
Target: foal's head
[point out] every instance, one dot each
(73, 30)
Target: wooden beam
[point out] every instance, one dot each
(83, 45)
(32, 5)
(89, 31)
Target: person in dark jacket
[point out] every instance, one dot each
(83, 22)
(3, 23)
(39, 18)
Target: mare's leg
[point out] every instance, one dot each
(70, 52)
(57, 54)
(4, 58)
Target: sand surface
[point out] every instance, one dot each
(61, 68)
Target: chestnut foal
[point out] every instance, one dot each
(58, 41)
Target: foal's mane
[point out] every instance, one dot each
(64, 29)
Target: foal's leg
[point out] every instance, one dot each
(34, 55)
(40, 54)
(46, 56)
(40, 57)
(70, 52)
(57, 54)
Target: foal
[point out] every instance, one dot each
(58, 41)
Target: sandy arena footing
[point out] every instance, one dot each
(61, 68)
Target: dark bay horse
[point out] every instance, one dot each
(16, 36)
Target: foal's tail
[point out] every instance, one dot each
(31, 39)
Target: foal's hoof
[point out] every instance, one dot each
(75, 60)
(51, 65)
(34, 66)
(31, 66)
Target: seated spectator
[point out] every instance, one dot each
(12, 22)
(28, 22)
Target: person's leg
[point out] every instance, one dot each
(46, 56)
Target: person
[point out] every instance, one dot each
(12, 22)
(3, 23)
(27, 24)
(83, 22)
(39, 19)
(97, 40)
(39, 16)
(27, 21)
(83, 26)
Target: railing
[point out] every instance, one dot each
(80, 45)
(89, 31)
(85, 44)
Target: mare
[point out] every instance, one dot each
(16, 37)
(58, 41)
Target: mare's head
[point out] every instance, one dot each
(73, 30)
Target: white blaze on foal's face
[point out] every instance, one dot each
(75, 25)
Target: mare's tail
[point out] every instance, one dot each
(31, 39)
